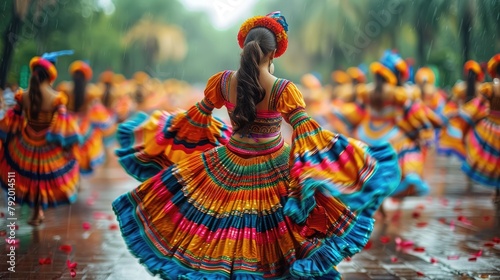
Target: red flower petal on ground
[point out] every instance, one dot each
(422, 224)
(396, 216)
(16, 227)
(407, 243)
(86, 225)
(420, 274)
(452, 225)
(442, 220)
(111, 217)
(434, 260)
(415, 215)
(348, 259)
(43, 261)
(70, 264)
(66, 248)
(496, 239)
(90, 201)
(478, 253)
(394, 259)
(420, 207)
(113, 227)
(444, 202)
(419, 249)
(73, 273)
(100, 215)
(473, 259)
(368, 245)
(385, 239)
(398, 240)
(3, 232)
(489, 244)
(486, 218)
(453, 257)
(458, 209)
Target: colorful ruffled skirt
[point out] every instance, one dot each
(45, 169)
(235, 210)
(409, 153)
(482, 143)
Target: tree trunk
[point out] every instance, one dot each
(466, 29)
(10, 39)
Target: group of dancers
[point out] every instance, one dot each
(415, 116)
(234, 200)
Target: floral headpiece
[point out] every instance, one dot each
(273, 21)
(82, 66)
(379, 68)
(47, 65)
(493, 64)
(425, 75)
(473, 66)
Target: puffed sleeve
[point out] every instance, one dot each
(13, 120)
(328, 163)
(149, 144)
(64, 128)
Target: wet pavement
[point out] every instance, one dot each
(452, 234)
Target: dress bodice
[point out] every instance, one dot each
(267, 122)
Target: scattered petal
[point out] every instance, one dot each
(473, 259)
(16, 227)
(66, 248)
(458, 209)
(452, 225)
(113, 227)
(422, 224)
(478, 253)
(486, 218)
(407, 243)
(396, 216)
(90, 201)
(43, 261)
(415, 215)
(454, 257)
(73, 273)
(489, 244)
(394, 259)
(2, 215)
(442, 220)
(434, 260)
(86, 225)
(385, 239)
(444, 202)
(398, 240)
(348, 259)
(100, 215)
(111, 217)
(420, 274)
(3, 232)
(70, 264)
(419, 249)
(368, 245)
(496, 239)
(420, 207)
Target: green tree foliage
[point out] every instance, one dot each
(324, 35)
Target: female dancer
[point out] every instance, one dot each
(451, 139)
(479, 123)
(38, 137)
(242, 204)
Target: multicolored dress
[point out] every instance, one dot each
(214, 207)
(40, 153)
(399, 123)
(479, 124)
(94, 121)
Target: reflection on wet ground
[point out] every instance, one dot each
(452, 234)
